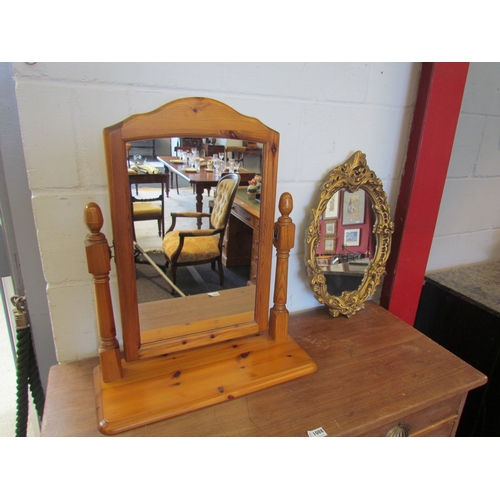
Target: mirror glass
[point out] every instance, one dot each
(346, 242)
(155, 321)
(154, 280)
(349, 237)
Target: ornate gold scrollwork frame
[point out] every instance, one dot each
(352, 175)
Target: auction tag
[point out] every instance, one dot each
(319, 432)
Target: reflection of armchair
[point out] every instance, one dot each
(151, 208)
(200, 246)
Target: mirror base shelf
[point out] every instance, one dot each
(158, 388)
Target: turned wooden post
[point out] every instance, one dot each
(98, 261)
(284, 234)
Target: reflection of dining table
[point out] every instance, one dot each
(201, 180)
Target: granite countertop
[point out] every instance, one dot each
(478, 283)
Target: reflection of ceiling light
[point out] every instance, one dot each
(334, 261)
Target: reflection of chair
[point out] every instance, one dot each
(237, 152)
(199, 246)
(215, 149)
(151, 208)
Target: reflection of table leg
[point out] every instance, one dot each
(199, 202)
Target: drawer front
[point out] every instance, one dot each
(244, 216)
(237, 243)
(443, 429)
(440, 419)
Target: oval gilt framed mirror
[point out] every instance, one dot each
(349, 238)
(162, 327)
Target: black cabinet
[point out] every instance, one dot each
(460, 310)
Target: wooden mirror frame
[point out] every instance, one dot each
(188, 117)
(352, 175)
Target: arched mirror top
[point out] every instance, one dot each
(186, 118)
(351, 226)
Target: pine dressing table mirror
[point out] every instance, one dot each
(349, 238)
(189, 352)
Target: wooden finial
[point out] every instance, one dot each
(93, 218)
(285, 205)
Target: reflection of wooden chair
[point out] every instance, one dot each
(151, 208)
(215, 149)
(237, 152)
(199, 246)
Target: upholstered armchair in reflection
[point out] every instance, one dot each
(188, 247)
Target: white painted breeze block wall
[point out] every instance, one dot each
(468, 226)
(323, 112)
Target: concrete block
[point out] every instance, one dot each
(74, 321)
(46, 114)
(488, 162)
(468, 205)
(482, 92)
(62, 232)
(337, 82)
(466, 146)
(393, 84)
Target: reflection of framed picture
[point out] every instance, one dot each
(329, 247)
(322, 261)
(353, 209)
(351, 237)
(331, 228)
(332, 207)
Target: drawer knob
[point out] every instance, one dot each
(400, 430)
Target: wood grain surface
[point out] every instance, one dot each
(374, 371)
